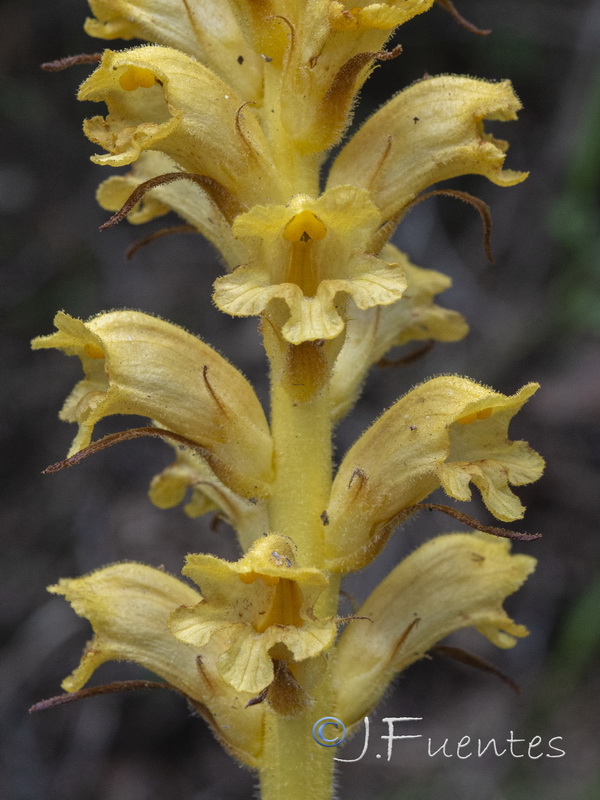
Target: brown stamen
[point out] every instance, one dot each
(286, 21)
(503, 533)
(243, 136)
(212, 392)
(471, 660)
(153, 237)
(478, 205)
(385, 363)
(70, 61)
(449, 6)
(108, 688)
(123, 436)
(404, 637)
(229, 205)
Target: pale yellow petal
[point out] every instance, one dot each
(138, 364)
(372, 332)
(428, 133)
(128, 606)
(312, 271)
(447, 431)
(184, 197)
(204, 29)
(161, 99)
(189, 473)
(355, 16)
(327, 50)
(262, 605)
(451, 582)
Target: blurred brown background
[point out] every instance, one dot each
(535, 315)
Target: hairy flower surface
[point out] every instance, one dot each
(264, 605)
(128, 606)
(447, 432)
(138, 364)
(454, 581)
(252, 155)
(309, 253)
(372, 332)
(226, 116)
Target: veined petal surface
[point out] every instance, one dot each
(263, 604)
(427, 133)
(370, 333)
(184, 197)
(128, 606)
(205, 29)
(446, 432)
(306, 254)
(161, 99)
(138, 364)
(454, 581)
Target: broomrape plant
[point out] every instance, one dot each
(226, 118)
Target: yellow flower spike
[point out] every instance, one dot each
(452, 582)
(418, 445)
(128, 606)
(184, 197)
(371, 333)
(138, 364)
(312, 254)
(427, 133)
(190, 473)
(204, 29)
(263, 605)
(188, 113)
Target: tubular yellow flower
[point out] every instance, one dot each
(451, 582)
(263, 605)
(191, 202)
(190, 472)
(128, 606)
(254, 163)
(428, 133)
(308, 253)
(447, 432)
(161, 99)
(363, 15)
(138, 364)
(204, 29)
(372, 332)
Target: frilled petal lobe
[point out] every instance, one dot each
(306, 254)
(204, 29)
(161, 99)
(184, 197)
(138, 364)
(451, 582)
(427, 133)
(128, 606)
(372, 332)
(263, 606)
(447, 432)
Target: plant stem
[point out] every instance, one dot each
(301, 430)
(295, 765)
